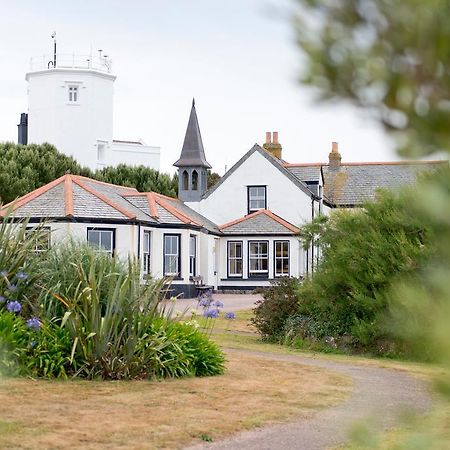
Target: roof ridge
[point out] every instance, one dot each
(241, 219)
(104, 199)
(21, 201)
(152, 205)
(68, 196)
(374, 163)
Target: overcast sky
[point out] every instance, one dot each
(236, 57)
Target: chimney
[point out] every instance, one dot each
(23, 129)
(272, 145)
(334, 158)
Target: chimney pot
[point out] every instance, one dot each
(334, 158)
(334, 147)
(268, 137)
(275, 137)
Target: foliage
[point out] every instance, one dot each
(280, 301)
(389, 57)
(28, 167)
(213, 178)
(363, 253)
(142, 178)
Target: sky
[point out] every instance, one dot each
(238, 58)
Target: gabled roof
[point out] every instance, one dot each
(352, 184)
(262, 222)
(193, 153)
(274, 161)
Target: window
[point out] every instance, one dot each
(146, 252)
(194, 180)
(102, 239)
(73, 94)
(172, 255)
(43, 242)
(192, 255)
(281, 258)
(256, 198)
(234, 259)
(185, 178)
(258, 258)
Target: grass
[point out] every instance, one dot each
(431, 432)
(240, 324)
(163, 414)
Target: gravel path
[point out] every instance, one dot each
(378, 393)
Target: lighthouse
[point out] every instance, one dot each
(70, 105)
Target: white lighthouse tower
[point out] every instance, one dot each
(70, 105)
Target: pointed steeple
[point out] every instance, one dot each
(193, 153)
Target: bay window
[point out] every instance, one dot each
(234, 258)
(281, 255)
(258, 258)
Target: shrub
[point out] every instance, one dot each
(280, 301)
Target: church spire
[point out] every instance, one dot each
(193, 153)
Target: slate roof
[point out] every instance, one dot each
(193, 153)
(352, 184)
(77, 197)
(263, 222)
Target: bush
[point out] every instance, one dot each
(280, 301)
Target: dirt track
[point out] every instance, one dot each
(380, 394)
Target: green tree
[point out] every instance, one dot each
(26, 167)
(142, 178)
(213, 178)
(389, 57)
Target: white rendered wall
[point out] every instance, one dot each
(229, 201)
(73, 128)
(132, 154)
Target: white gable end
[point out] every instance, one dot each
(229, 201)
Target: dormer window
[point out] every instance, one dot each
(73, 94)
(256, 198)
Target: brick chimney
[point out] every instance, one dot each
(272, 145)
(334, 158)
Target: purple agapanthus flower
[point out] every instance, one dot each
(211, 313)
(21, 275)
(33, 323)
(205, 302)
(3, 273)
(2, 299)
(12, 288)
(13, 306)
(218, 303)
(230, 315)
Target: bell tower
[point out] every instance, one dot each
(192, 165)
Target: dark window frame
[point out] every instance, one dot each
(178, 235)
(275, 258)
(264, 274)
(194, 257)
(147, 260)
(249, 211)
(113, 230)
(228, 259)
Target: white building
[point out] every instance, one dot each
(70, 105)
(238, 235)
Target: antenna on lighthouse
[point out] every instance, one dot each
(53, 63)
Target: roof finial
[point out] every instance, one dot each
(193, 102)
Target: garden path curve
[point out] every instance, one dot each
(377, 392)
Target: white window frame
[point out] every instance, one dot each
(257, 198)
(146, 252)
(192, 255)
(102, 232)
(175, 256)
(234, 259)
(281, 258)
(259, 256)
